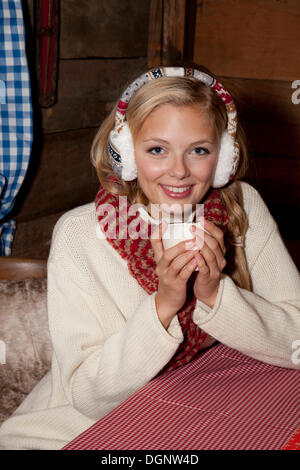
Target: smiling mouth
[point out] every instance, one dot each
(177, 191)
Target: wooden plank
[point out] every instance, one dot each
(173, 31)
(269, 116)
(155, 34)
(87, 90)
(249, 38)
(28, 14)
(59, 178)
(101, 28)
(190, 27)
(32, 238)
(166, 41)
(12, 268)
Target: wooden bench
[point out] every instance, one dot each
(20, 268)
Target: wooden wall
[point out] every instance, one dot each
(103, 44)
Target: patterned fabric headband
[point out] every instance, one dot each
(120, 144)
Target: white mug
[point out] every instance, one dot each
(176, 232)
(179, 232)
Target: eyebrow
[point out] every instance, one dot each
(157, 139)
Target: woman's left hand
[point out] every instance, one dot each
(211, 262)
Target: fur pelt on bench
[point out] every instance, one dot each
(25, 345)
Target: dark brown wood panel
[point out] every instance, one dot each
(33, 238)
(166, 41)
(63, 177)
(277, 178)
(87, 90)
(155, 36)
(101, 28)
(265, 98)
(28, 9)
(249, 39)
(273, 138)
(173, 30)
(270, 118)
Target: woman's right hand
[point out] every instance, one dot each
(174, 266)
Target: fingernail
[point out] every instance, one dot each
(199, 242)
(191, 245)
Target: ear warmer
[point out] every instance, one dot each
(120, 144)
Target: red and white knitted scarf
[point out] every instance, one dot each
(115, 220)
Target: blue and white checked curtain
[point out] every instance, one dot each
(15, 115)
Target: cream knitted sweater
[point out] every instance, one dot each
(107, 338)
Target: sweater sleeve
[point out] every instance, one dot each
(265, 323)
(101, 357)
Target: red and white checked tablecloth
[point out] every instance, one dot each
(222, 400)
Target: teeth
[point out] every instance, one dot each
(177, 190)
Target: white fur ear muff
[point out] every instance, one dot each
(225, 161)
(122, 144)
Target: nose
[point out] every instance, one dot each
(178, 167)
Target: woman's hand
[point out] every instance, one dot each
(211, 262)
(174, 266)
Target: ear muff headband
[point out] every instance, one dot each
(120, 144)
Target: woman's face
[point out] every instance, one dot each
(176, 152)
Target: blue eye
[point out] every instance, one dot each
(200, 150)
(156, 150)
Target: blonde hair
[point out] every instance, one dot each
(180, 91)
